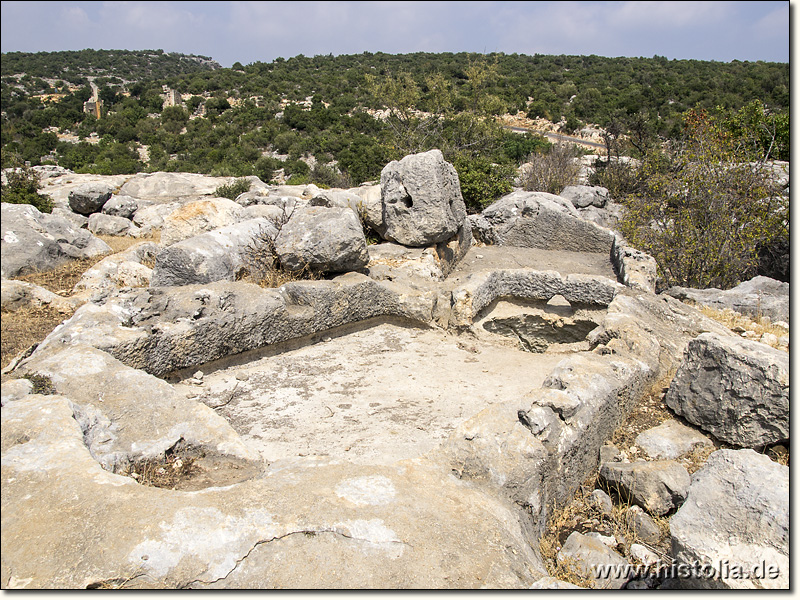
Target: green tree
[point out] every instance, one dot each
(706, 207)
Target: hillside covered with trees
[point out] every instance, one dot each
(338, 120)
(354, 113)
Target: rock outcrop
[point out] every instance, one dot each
(198, 217)
(539, 220)
(89, 198)
(671, 440)
(735, 389)
(760, 296)
(213, 256)
(735, 524)
(656, 486)
(34, 241)
(328, 240)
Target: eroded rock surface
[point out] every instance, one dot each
(34, 241)
(422, 203)
(736, 513)
(737, 390)
(760, 296)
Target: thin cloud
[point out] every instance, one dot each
(261, 31)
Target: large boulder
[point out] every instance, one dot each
(167, 187)
(34, 241)
(539, 220)
(736, 517)
(213, 256)
(90, 197)
(760, 296)
(103, 224)
(371, 208)
(658, 486)
(735, 389)
(122, 270)
(21, 294)
(194, 218)
(150, 217)
(121, 206)
(322, 239)
(422, 203)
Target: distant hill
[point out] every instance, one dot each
(326, 118)
(75, 66)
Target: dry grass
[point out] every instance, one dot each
(168, 472)
(584, 516)
(261, 263)
(24, 327)
(63, 279)
(275, 277)
(559, 526)
(649, 412)
(733, 320)
(30, 325)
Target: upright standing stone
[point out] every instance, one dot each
(422, 203)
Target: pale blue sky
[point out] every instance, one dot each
(261, 31)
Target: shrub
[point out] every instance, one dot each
(706, 207)
(234, 190)
(323, 175)
(620, 177)
(262, 264)
(482, 182)
(21, 186)
(553, 171)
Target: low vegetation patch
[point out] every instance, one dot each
(233, 190)
(262, 265)
(737, 322)
(551, 172)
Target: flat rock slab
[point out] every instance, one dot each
(373, 396)
(671, 440)
(482, 258)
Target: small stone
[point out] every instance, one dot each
(608, 540)
(198, 375)
(770, 339)
(643, 554)
(608, 453)
(642, 526)
(242, 376)
(602, 500)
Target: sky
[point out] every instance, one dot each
(248, 32)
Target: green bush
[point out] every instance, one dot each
(234, 190)
(482, 182)
(22, 186)
(706, 207)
